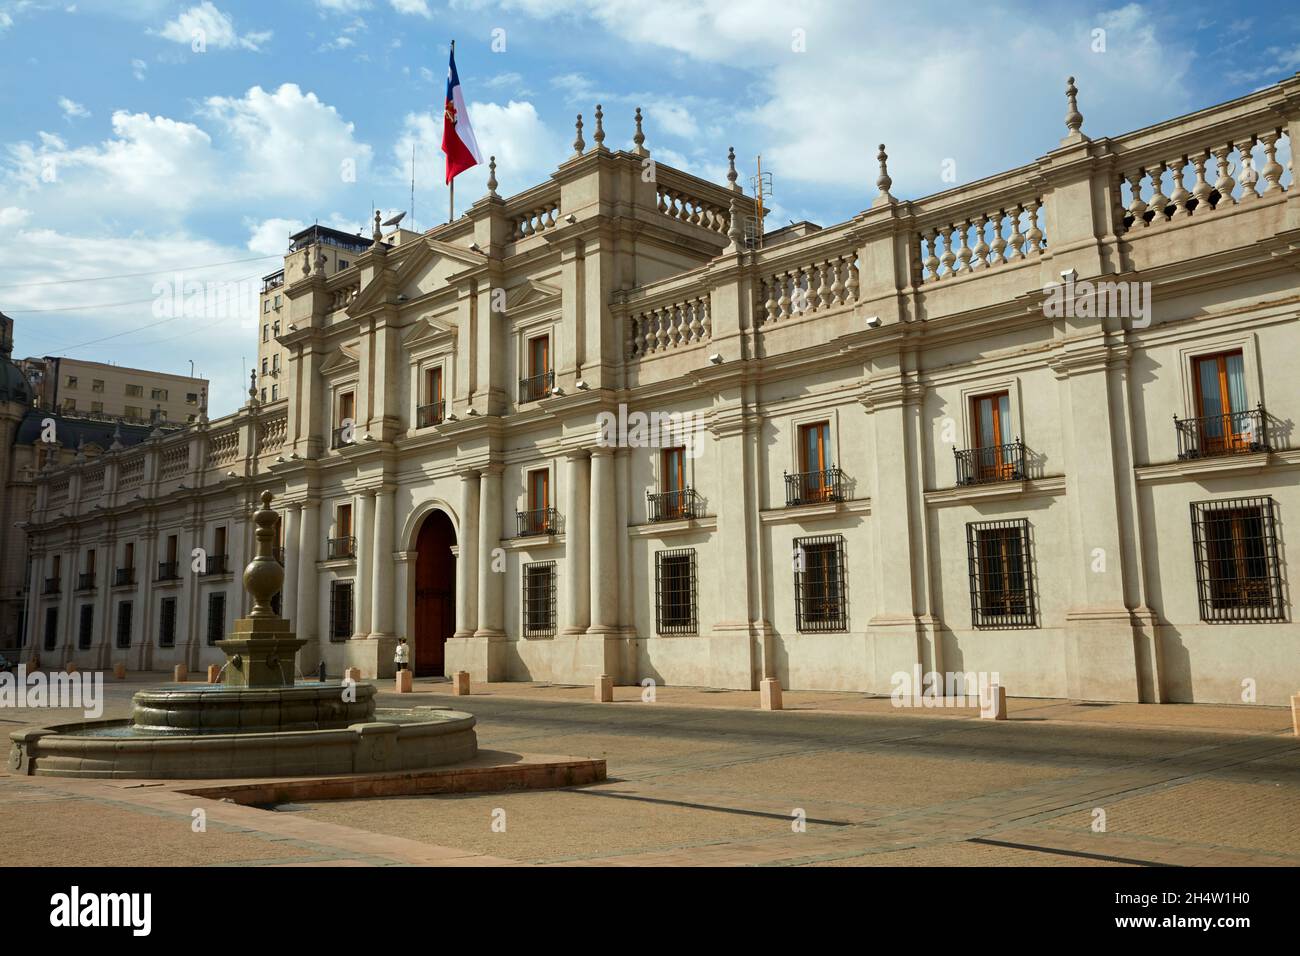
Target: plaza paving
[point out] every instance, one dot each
(703, 777)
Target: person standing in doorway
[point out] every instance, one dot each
(401, 654)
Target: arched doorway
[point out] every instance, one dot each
(435, 593)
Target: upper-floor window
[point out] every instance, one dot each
(72, 381)
(263, 394)
(275, 328)
(264, 365)
(96, 406)
(343, 264)
(1225, 422)
(991, 435)
(275, 362)
(134, 411)
(135, 391)
(343, 521)
(277, 302)
(70, 404)
(815, 462)
(191, 398)
(97, 385)
(540, 379)
(266, 307)
(275, 392)
(158, 394)
(266, 332)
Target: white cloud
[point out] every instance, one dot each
(11, 217)
(413, 7)
(338, 43)
(72, 109)
(207, 25)
(343, 6)
(139, 69)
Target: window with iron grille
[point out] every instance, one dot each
(51, 628)
(539, 598)
(124, 624)
(675, 604)
(820, 594)
(1238, 576)
(86, 627)
(340, 610)
(1001, 574)
(167, 622)
(216, 617)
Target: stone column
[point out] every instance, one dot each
(289, 535)
(577, 543)
(307, 582)
(381, 598)
(364, 535)
(604, 544)
(491, 584)
(467, 560)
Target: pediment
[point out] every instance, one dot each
(345, 358)
(427, 331)
(427, 267)
(531, 294)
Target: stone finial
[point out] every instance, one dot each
(883, 181)
(579, 144)
(264, 576)
(306, 263)
(599, 135)
(639, 137)
(252, 385)
(731, 169)
(320, 260)
(378, 233)
(81, 449)
(117, 437)
(734, 232)
(1073, 118)
(492, 178)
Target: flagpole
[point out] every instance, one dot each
(451, 200)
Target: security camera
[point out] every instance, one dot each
(715, 359)
(556, 390)
(873, 322)
(581, 385)
(570, 219)
(475, 247)
(1069, 275)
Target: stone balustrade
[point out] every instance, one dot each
(953, 243)
(342, 297)
(682, 206)
(828, 281)
(669, 326)
(535, 220)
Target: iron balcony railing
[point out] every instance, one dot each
(671, 505)
(981, 466)
(345, 547)
(86, 582)
(536, 386)
(336, 437)
(51, 586)
(1236, 433)
(810, 487)
(123, 577)
(537, 521)
(431, 414)
(167, 571)
(216, 564)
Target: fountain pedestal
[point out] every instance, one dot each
(260, 652)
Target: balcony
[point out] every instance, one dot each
(216, 564)
(51, 586)
(535, 387)
(86, 582)
(1236, 433)
(167, 571)
(982, 466)
(673, 505)
(431, 414)
(123, 577)
(814, 487)
(336, 437)
(535, 522)
(273, 281)
(340, 549)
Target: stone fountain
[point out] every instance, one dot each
(257, 722)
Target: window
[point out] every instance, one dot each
(158, 394)
(818, 478)
(97, 407)
(86, 628)
(51, 628)
(191, 398)
(134, 411)
(277, 301)
(343, 520)
(537, 519)
(263, 394)
(539, 598)
(96, 384)
(342, 545)
(264, 365)
(344, 415)
(167, 622)
(266, 307)
(1001, 574)
(1225, 423)
(672, 481)
(128, 555)
(275, 329)
(539, 380)
(433, 385)
(71, 381)
(216, 617)
(1238, 575)
(275, 392)
(135, 391)
(820, 602)
(675, 591)
(340, 610)
(275, 362)
(991, 438)
(124, 624)
(266, 332)
(69, 404)
(343, 264)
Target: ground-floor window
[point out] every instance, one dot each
(167, 622)
(1001, 574)
(539, 598)
(675, 605)
(1238, 575)
(124, 624)
(216, 617)
(340, 610)
(820, 595)
(86, 627)
(51, 628)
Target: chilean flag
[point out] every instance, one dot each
(457, 137)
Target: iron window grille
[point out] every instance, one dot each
(809, 487)
(123, 577)
(216, 564)
(86, 630)
(1233, 433)
(675, 592)
(535, 522)
(216, 617)
(431, 414)
(340, 610)
(981, 466)
(1001, 574)
(167, 571)
(124, 624)
(820, 592)
(1238, 575)
(673, 505)
(86, 582)
(536, 386)
(167, 623)
(539, 598)
(340, 548)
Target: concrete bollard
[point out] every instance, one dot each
(180, 674)
(604, 689)
(1295, 714)
(995, 708)
(769, 693)
(460, 683)
(70, 667)
(214, 673)
(352, 674)
(119, 670)
(402, 682)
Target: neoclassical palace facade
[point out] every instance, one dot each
(1038, 425)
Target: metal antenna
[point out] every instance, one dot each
(762, 186)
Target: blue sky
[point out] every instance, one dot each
(127, 153)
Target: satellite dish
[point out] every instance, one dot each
(395, 220)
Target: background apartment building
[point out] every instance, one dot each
(86, 388)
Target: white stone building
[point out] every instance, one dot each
(904, 439)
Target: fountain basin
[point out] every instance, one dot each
(393, 740)
(185, 709)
